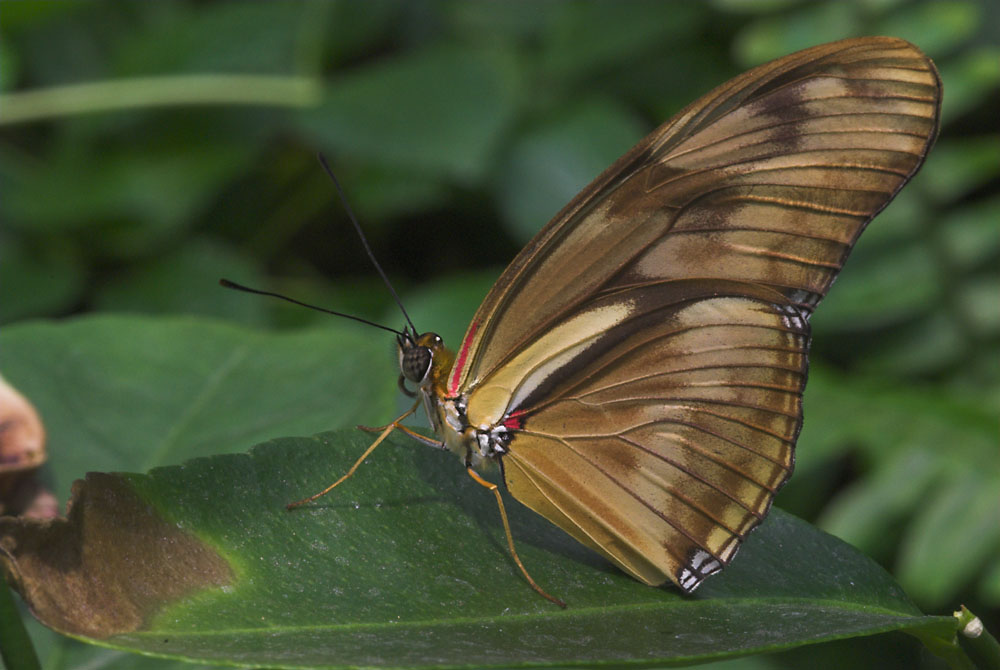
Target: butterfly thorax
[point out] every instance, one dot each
(427, 362)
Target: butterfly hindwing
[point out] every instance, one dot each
(664, 437)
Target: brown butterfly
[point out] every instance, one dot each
(637, 371)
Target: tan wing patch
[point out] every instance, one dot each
(543, 359)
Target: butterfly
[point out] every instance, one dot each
(637, 371)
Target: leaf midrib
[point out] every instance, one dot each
(604, 611)
(198, 403)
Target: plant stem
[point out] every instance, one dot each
(195, 89)
(979, 643)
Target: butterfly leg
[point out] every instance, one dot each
(510, 538)
(385, 433)
(423, 439)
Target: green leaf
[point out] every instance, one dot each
(130, 393)
(972, 78)
(752, 6)
(380, 191)
(978, 298)
(892, 651)
(971, 234)
(19, 16)
(500, 22)
(46, 279)
(990, 584)
(441, 109)
(152, 187)
(202, 39)
(185, 281)
(959, 166)
(890, 288)
(585, 38)
(552, 163)
(59, 652)
(12, 65)
(866, 514)
(952, 536)
(928, 469)
(405, 564)
(882, 419)
(936, 27)
(810, 24)
(932, 344)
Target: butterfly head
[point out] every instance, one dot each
(423, 359)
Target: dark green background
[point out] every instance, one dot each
(458, 129)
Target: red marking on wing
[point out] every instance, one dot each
(463, 354)
(514, 420)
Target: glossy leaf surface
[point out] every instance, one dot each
(406, 565)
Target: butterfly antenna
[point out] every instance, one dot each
(240, 287)
(364, 240)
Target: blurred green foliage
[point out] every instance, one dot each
(457, 129)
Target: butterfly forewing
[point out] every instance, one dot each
(770, 179)
(647, 350)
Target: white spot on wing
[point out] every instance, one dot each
(701, 565)
(699, 557)
(792, 317)
(688, 580)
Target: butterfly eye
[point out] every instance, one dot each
(415, 362)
